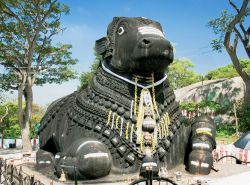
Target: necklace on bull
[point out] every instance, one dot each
(131, 81)
(145, 110)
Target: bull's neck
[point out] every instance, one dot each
(116, 89)
(144, 82)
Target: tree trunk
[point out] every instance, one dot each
(27, 147)
(24, 124)
(245, 77)
(247, 94)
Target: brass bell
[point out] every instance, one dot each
(63, 177)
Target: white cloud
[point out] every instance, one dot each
(127, 9)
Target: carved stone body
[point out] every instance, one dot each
(127, 117)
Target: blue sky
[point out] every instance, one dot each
(184, 23)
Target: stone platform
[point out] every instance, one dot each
(228, 174)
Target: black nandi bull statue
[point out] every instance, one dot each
(127, 117)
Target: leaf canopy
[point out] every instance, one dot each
(26, 43)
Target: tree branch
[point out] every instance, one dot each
(245, 41)
(235, 21)
(5, 114)
(38, 29)
(43, 19)
(239, 34)
(235, 42)
(11, 13)
(33, 42)
(231, 49)
(13, 39)
(8, 65)
(240, 22)
(11, 57)
(234, 6)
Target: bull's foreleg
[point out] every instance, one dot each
(86, 157)
(200, 159)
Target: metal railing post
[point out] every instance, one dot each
(1, 165)
(20, 176)
(32, 179)
(11, 174)
(75, 176)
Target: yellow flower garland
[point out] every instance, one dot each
(153, 92)
(126, 132)
(140, 111)
(109, 117)
(167, 121)
(153, 143)
(162, 129)
(135, 98)
(117, 122)
(141, 143)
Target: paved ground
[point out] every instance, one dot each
(229, 174)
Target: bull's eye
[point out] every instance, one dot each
(120, 30)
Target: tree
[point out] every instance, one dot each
(86, 77)
(28, 53)
(227, 71)
(230, 30)
(181, 74)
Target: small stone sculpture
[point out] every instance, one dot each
(127, 120)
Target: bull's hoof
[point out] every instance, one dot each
(45, 161)
(200, 162)
(93, 159)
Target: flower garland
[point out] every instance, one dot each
(135, 98)
(139, 111)
(109, 117)
(126, 132)
(117, 122)
(153, 94)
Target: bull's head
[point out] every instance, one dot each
(135, 45)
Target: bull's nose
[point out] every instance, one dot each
(145, 43)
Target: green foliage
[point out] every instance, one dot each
(203, 104)
(212, 105)
(220, 26)
(243, 115)
(10, 126)
(227, 71)
(181, 74)
(12, 131)
(86, 77)
(11, 117)
(36, 116)
(189, 106)
(225, 130)
(244, 119)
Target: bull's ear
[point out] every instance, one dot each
(101, 45)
